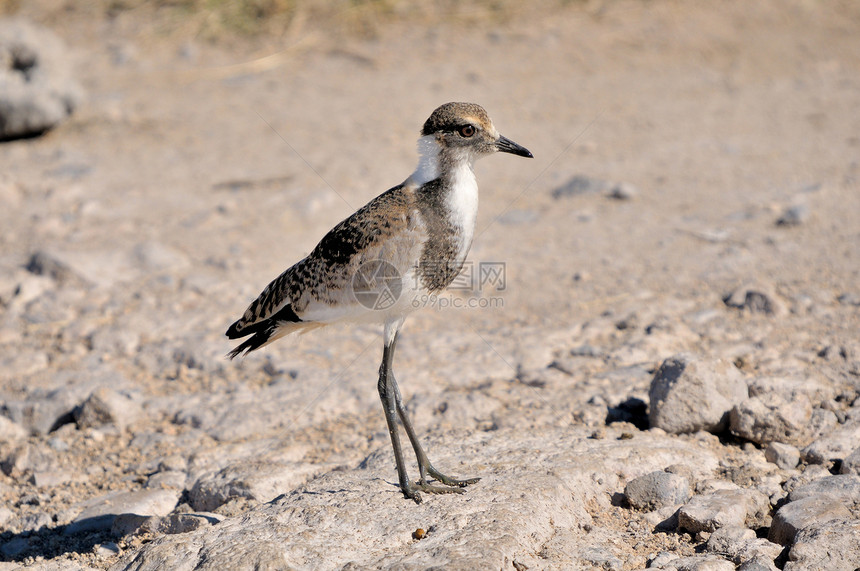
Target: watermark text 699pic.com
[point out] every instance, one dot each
(378, 285)
(474, 277)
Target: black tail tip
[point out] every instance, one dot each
(254, 342)
(233, 331)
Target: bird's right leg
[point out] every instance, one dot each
(453, 485)
(393, 399)
(387, 393)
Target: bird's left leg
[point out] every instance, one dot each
(424, 465)
(389, 405)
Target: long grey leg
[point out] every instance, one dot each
(424, 465)
(388, 394)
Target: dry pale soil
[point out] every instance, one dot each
(682, 151)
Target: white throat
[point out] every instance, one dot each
(428, 161)
(461, 198)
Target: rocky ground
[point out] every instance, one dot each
(668, 377)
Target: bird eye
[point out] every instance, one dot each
(466, 130)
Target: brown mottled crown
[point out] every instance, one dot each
(452, 115)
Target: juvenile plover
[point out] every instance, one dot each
(407, 243)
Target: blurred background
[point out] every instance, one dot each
(163, 160)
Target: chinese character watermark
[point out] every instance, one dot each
(378, 285)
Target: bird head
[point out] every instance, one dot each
(466, 129)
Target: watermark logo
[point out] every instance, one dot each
(492, 276)
(377, 285)
(477, 277)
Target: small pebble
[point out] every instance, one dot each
(793, 216)
(623, 191)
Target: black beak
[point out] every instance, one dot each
(505, 145)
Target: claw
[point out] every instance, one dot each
(449, 481)
(432, 489)
(392, 404)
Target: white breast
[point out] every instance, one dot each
(462, 199)
(462, 203)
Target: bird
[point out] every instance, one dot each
(409, 242)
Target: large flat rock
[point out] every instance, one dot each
(530, 494)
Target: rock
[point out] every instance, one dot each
(44, 263)
(711, 485)
(127, 524)
(168, 479)
(688, 394)
(28, 458)
(43, 411)
(579, 185)
(100, 513)
(797, 515)
(361, 511)
(50, 478)
(851, 463)
(99, 268)
(21, 288)
(106, 406)
(849, 298)
(785, 456)
(601, 558)
(662, 560)
(793, 215)
(729, 540)
(741, 545)
(772, 418)
(36, 89)
(707, 562)
(755, 298)
(33, 521)
(186, 522)
(718, 506)
(58, 564)
(261, 481)
(657, 490)
(107, 549)
(833, 545)
(836, 445)
(842, 487)
(758, 565)
(760, 550)
(623, 191)
(808, 474)
(791, 384)
(710, 512)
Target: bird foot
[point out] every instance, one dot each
(450, 486)
(449, 481)
(413, 491)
